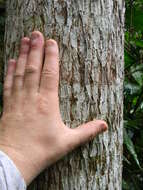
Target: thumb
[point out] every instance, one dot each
(87, 132)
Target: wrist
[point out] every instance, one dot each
(28, 157)
(29, 167)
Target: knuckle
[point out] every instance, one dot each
(35, 46)
(18, 75)
(7, 87)
(49, 72)
(31, 69)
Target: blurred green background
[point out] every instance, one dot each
(133, 97)
(133, 92)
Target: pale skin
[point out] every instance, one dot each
(32, 132)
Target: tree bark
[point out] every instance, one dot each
(90, 34)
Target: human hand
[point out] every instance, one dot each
(32, 132)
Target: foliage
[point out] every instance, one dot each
(133, 97)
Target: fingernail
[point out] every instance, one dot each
(104, 126)
(51, 42)
(34, 38)
(25, 40)
(11, 62)
(51, 47)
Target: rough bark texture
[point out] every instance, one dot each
(91, 40)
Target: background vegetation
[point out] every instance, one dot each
(133, 92)
(133, 97)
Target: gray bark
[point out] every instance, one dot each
(90, 34)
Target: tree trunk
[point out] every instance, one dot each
(90, 34)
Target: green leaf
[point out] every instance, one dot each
(125, 185)
(139, 43)
(136, 18)
(130, 146)
(131, 88)
(126, 160)
(128, 59)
